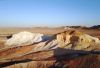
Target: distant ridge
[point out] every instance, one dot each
(95, 27)
(84, 27)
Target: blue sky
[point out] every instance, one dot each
(49, 12)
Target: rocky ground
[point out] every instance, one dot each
(66, 49)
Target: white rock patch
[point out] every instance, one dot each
(24, 38)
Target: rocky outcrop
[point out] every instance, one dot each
(61, 50)
(24, 38)
(77, 40)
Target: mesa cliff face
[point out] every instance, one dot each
(70, 48)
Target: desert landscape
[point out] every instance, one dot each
(41, 55)
(49, 33)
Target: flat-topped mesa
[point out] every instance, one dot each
(77, 40)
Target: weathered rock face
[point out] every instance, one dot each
(77, 40)
(24, 38)
(59, 51)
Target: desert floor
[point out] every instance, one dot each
(45, 30)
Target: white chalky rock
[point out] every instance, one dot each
(24, 38)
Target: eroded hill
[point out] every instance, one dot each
(70, 48)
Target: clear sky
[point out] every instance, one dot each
(49, 12)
